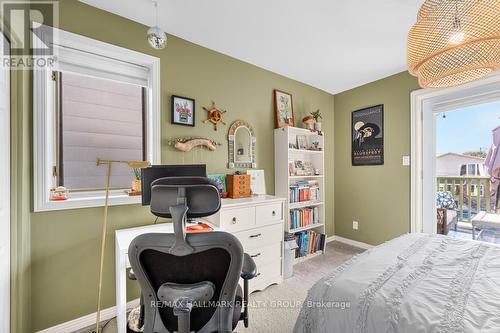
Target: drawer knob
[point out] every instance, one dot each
(256, 235)
(257, 274)
(274, 213)
(255, 255)
(233, 221)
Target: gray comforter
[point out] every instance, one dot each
(414, 283)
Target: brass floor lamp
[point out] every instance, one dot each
(109, 164)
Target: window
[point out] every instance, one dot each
(463, 170)
(98, 101)
(98, 118)
(471, 169)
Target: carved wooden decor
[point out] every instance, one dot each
(188, 143)
(215, 115)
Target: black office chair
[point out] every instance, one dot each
(189, 282)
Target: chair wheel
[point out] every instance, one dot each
(133, 321)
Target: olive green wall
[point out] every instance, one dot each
(378, 197)
(61, 248)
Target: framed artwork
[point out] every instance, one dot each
(301, 142)
(183, 111)
(367, 130)
(283, 109)
(220, 181)
(257, 181)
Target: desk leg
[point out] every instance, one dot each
(121, 290)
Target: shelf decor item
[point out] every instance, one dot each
(367, 130)
(257, 182)
(220, 181)
(215, 115)
(238, 186)
(454, 42)
(283, 109)
(309, 122)
(183, 111)
(301, 142)
(317, 123)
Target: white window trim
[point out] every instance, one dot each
(425, 103)
(43, 128)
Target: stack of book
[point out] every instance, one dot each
(303, 217)
(304, 191)
(309, 242)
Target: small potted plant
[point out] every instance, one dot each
(136, 184)
(317, 116)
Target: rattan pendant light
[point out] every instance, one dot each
(454, 42)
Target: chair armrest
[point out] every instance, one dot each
(249, 270)
(131, 275)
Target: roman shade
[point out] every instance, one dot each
(99, 118)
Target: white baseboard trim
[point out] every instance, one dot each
(86, 321)
(348, 241)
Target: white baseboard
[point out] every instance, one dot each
(348, 241)
(86, 321)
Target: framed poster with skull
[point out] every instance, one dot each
(367, 129)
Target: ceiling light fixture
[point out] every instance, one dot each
(157, 38)
(454, 42)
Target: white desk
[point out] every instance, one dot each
(123, 238)
(257, 222)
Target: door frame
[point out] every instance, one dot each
(425, 104)
(5, 168)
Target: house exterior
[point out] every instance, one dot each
(453, 164)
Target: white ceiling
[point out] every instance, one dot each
(330, 44)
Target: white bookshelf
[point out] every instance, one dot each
(283, 154)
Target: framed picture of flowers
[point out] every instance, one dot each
(283, 109)
(183, 111)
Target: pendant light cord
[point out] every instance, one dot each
(156, 9)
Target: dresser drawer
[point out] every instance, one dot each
(265, 274)
(265, 254)
(259, 237)
(233, 220)
(267, 214)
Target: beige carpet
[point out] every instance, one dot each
(276, 308)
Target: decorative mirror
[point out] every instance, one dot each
(241, 145)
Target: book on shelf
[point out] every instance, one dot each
(304, 191)
(304, 217)
(309, 242)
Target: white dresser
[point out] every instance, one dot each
(258, 224)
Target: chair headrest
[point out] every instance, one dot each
(200, 194)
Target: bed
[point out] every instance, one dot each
(414, 283)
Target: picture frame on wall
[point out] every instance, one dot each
(367, 134)
(283, 109)
(183, 111)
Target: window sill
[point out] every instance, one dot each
(88, 200)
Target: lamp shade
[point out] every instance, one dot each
(454, 42)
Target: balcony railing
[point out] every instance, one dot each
(472, 194)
